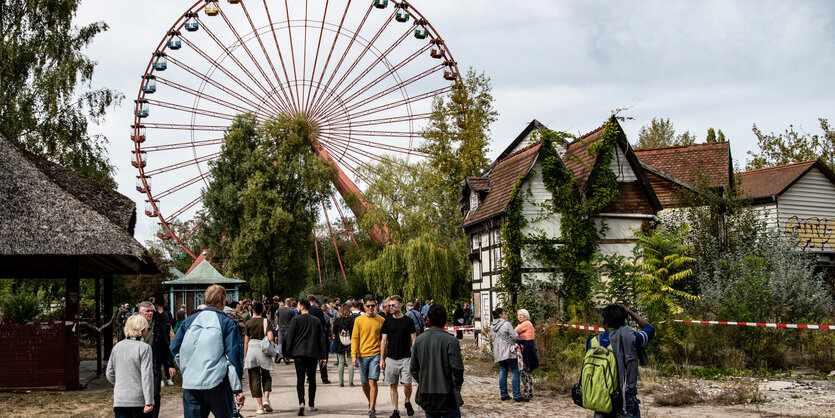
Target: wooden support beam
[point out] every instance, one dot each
(71, 314)
(98, 325)
(107, 332)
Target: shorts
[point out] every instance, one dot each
(369, 368)
(398, 368)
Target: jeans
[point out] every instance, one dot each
(280, 337)
(217, 400)
(306, 366)
(451, 414)
(344, 357)
(513, 365)
(633, 409)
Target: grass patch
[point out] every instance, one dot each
(677, 393)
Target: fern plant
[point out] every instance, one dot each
(663, 262)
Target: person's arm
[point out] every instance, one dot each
(355, 341)
(412, 338)
(510, 332)
(414, 366)
(232, 346)
(167, 357)
(146, 373)
(647, 331)
(289, 339)
(111, 371)
(383, 351)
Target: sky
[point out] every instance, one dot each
(723, 64)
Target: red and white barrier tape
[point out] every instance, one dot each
(756, 324)
(583, 327)
(459, 328)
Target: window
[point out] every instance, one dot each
(473, 201)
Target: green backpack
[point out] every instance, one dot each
(598, 389)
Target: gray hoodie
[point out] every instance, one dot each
(504, 337)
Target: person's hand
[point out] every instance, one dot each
(354, 361)
(172, 372)
(239, 399)
(323, 362)
(383, 364)
(147, 409)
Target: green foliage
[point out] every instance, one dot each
(510, 279)
(714, 136)
(621, 284)
(662, 260)
(142, 287)
(41, 107)
(793, 146)
(21, 307)
(541, 299)
(661, 133)
(261, 205)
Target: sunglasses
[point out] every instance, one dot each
(371, 305)
(393, 305)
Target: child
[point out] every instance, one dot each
(627, 345)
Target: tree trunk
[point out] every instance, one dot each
(270, 274)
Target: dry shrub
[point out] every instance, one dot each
(732, 358)
(677, 393)
(743, 391)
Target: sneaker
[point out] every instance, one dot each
(409, 410)
(301, 409)
(351, 385)
(395, 414)
(326, 382)
(162, 383)
(519, 400)
(342, 385)
(372, 413)
(259, 411)
(312, 408)
(504, 398)
(267, 407)
(170, 382)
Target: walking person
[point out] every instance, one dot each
(157, 338)
(343, 325)
(398, 335)
(416, 317)
(458, 320)
(504, 339)
(129, 369)
(438, 369)
(317, 312)
(181, 316)
(528, 361)
(305, 342)
(258, 364)
(121, 320)
(285, 315)
(365, 350)
(208, 350)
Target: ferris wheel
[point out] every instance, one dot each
(365, 72)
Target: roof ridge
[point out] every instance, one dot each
(775, 167)
(703, 144)
(518, 152)
(592, 132)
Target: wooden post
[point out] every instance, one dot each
(98, 325)
(107, 332)
(71, 314)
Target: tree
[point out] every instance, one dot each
(141, 287)
(715, 136)
(261, 203)
(661, 133)
(662, 259)
(792, 146)
(41, 107)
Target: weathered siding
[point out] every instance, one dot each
(768, 213)
(620, 166)
(808, 210)
(669, 194)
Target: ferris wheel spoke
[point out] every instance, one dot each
(183, 145)
(380, 121)
(186, 127)
(391, 71)
(346, 148)
(281, 57)
(213, 99)
(267, 55)
(316, 57)
(251, 57)
(219, 86)
(191, 231)
(344, 53)
(377, 145)
(330, 53)
(402, 102)
(292, 52)
(362, 54)
(345, 225)
(240, 65)
(182, 210)
(191, 109)
(183, 164)
(180, 186)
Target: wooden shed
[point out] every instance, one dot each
(58, 224)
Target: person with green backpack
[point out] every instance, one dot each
(609, 378)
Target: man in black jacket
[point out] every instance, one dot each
(317, 313)
(305, 342)
(438, 368)
(159, 341)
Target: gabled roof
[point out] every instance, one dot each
(176, 273)
(204, 273)
(479, 184)
(685, 161)
(534, 125)
(577, 158)
(502, 177)
(771, 181)
(54, 219)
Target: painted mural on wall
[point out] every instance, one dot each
(812, 233)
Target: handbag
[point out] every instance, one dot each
(267, 346)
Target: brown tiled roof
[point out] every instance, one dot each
(770, 181)
(685, 161)
(479, 184)
(502, 177)
(577, 158)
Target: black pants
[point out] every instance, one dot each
(323, 371)
(157, 396)
(130, 412)
(306, 367)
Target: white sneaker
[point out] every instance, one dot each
(170, 382)
(259, 411)
(312, 408)
(162, 383)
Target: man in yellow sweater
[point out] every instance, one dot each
(365, 350)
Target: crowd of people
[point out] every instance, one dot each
(404, 343)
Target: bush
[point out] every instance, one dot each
(22, 307)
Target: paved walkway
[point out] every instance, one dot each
(332, 400)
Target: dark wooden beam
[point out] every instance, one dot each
(72, 309)
(98, 325)
(107, 332)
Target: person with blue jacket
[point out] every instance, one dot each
(208, 349)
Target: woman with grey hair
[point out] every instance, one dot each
(526, 355)
(130, 371)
